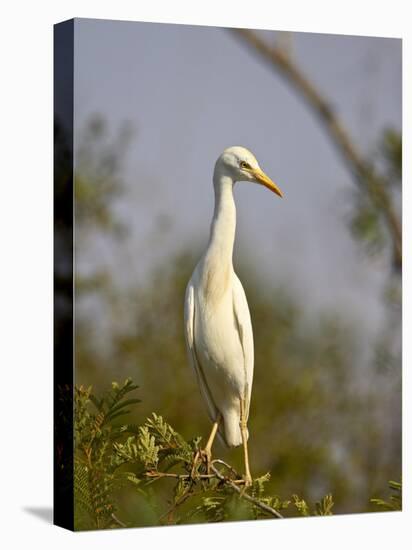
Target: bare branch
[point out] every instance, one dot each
(233, 483)
(156, 474)
(179, 502)
(362, 171)
(117, 520)
(242, 493)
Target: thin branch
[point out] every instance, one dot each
(241, 492)
(156, 474)
(224, 479)
(374, 185)
(226, 465)
(188, 493)
(117, 520)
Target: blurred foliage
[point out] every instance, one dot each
(366, 225)
(313, 424)
(391, 151)
(366, 221)
(395, 500)
(98, 175)
(325, 417)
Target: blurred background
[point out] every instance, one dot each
(154, 107)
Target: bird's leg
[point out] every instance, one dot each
(243, 430)
(208, 449)
(194, 465)
(206, 453)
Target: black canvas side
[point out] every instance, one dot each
(63, 275)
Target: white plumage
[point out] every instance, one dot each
(218, 327)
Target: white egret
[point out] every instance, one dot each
(218, 328)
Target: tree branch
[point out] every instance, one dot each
(224, 479)
(156, 474)
(362, 171)
(241, 492)
(117, 520)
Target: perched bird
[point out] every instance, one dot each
(218, 329)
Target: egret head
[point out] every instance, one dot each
(241, 165)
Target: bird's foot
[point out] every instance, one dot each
(206, 456)
(246, 481)
(247, 478)
(202, 456)
(195, 464)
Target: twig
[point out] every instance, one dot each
(156, 474)
(226, 465)
(374, 185)
(216, 475)
(179, 502)
(117, 520)
(268, 509)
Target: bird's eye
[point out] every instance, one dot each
(245, 165)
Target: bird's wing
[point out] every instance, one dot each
(189, 320)
(244, 324)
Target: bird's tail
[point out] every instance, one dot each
(229, 430)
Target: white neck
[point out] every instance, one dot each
(218, 257)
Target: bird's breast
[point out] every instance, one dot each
(216, 287)
(217, 340)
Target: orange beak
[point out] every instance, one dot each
(263, 179)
